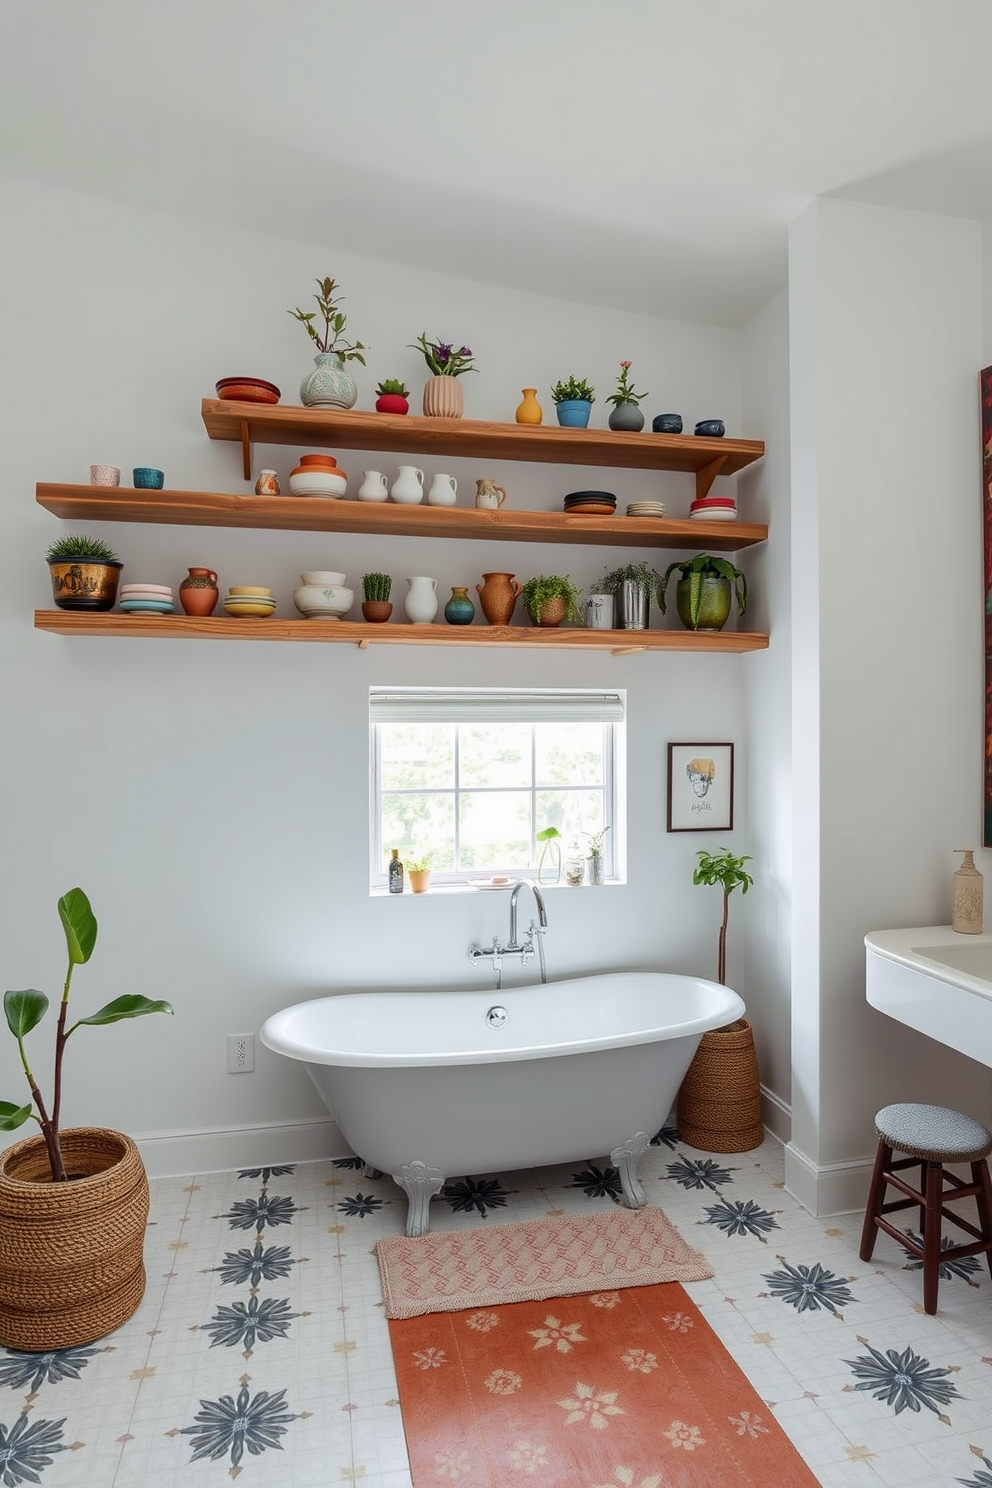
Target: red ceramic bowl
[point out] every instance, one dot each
(713, 503)
(247, 390)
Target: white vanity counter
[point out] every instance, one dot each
(936, 981)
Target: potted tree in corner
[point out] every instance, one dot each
(71, 1252)
(719, 1104)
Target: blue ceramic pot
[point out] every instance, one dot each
(459, 610)
(573, 413)
(626, 416)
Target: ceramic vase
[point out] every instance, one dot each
(443, 491)
(374, 486)
(573, 413)
(443, 398)
(459, 610)
(498, 596)
(198, 592)
(83, 584)
(328, 385)
(421, 600)
(626, 416)
(408, 487)
(529, 411)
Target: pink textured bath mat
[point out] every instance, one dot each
(538, 1258)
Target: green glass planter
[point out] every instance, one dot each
(714, 602)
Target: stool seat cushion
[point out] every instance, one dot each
(933, 1133)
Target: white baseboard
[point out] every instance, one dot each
(830, 1188)
(173, 1154)
(776, 1115)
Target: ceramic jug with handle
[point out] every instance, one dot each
(374, 486)
(421, 600)
(498, 595)
(488, 495)
(408, 487)
(443, 491)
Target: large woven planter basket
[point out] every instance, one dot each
(719, 1105)
(71, 1254)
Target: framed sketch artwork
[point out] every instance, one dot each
(700, 787)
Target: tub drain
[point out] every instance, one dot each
(496, 1017)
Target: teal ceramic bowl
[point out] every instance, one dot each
(147, 479)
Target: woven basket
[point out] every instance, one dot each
(719, 1105)
(71, 1254)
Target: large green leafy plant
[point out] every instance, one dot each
(25, 1010)
(729, 872)
(695, 570)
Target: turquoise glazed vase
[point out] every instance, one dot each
(573, 413)
(459, 610)
(328, 385)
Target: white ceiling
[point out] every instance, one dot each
(647, 156)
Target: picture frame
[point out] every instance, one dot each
(700, 787)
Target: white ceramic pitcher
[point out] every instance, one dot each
(408, 487)
(443, 491)
(421, 600)
(374, 486)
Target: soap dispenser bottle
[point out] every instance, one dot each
(396, 873)
(967, 913)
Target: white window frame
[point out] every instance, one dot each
(533, 705)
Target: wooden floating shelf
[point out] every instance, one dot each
(357, 633)
(265, 423)
(317, 514)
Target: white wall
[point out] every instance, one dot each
(887, 635)
(212, 797)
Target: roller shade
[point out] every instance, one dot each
(495, 705)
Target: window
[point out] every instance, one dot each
(471, 777)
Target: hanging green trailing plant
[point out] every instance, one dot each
(695, 570)
(728, 871)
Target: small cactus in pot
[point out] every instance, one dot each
(392, 396)
(376, 589)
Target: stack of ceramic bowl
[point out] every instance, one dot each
(146, 599)
(322, 595)
(246, 601)
(645, 508)
(247, 390)
(714, 509)
(318, 475)
(590, 503)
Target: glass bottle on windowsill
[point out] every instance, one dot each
(575, 865)
(395, 873)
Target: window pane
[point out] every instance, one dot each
(574, 813)
(495, 754)
(495, 829)
(568, 753)
(418, 755)
(421, 822)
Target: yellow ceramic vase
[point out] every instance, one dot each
(529, 411)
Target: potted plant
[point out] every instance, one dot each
(329, 385)
(419, 872)
(376, 589)
(631, 585)
(71, 1266)
(719, 1105)
(626, 413)
(392, 396)
(551, 598)
(594, 856)
(550, 839)
(443, 396)
(85, 573)
(703, 591)
(573, 402)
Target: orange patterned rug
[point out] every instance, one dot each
(534, 1259)
(611, 1389)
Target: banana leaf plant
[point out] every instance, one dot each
(25, 1010)
(695, 570)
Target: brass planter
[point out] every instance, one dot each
(84, 584)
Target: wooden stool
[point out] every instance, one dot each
(933, 1136)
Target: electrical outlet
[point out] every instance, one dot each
(240, 1053)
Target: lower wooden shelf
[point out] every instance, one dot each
(357, 633)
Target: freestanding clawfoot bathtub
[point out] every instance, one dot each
(429, 1086)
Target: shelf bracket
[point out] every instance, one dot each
(245, 449)
(704, 477)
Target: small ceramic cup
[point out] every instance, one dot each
(147, 479)
(104, 475)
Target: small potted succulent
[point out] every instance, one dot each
(573, 402)
(392, 396)
(418, 870)
(551, 598)
(443, 396)
(704, 590)
(626, 413)
(594, 856)
(329, 385)
(376, 588)
(85, 573)
(631, 585)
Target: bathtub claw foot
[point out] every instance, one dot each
(420, 1183)
(625, 1158)
(368, 1171)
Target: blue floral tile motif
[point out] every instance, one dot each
(261, 1263)
(741, 1217)
(360, 1206)
(667, 1137)
(356, 1164)
(262, 1320)
(808, 1288)
(699, 1173)
(255, 1214)
(266, 1173)
(481, 1194)
(27, 1448)
(981, 1479)
(904, 1381)
(598, 1183)
(964, 1267)
(228, 1426)
(34, 1370)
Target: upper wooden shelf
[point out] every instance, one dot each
(262, 423)
(389, 518)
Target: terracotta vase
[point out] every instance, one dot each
(443, 398)
(552, 612)
(498, 596)
(420, 879)
(198, 592)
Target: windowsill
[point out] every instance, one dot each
(381, 892)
